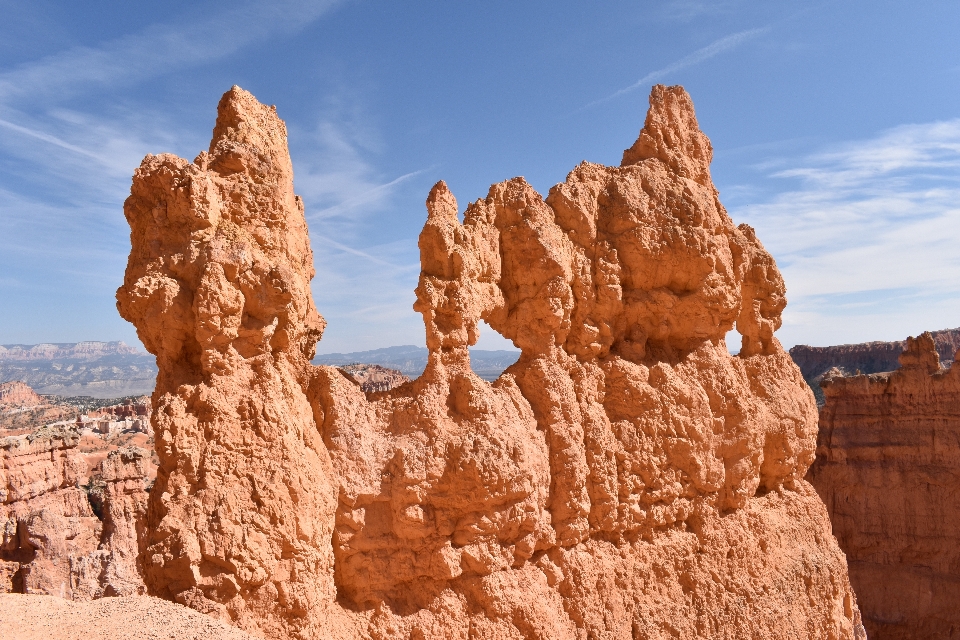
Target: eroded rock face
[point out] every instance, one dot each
(888, 461)
(52, 541)
(44, 514)
(114, 569)
(626, 478)
(16, 395)
(240, 520)
(373, 377)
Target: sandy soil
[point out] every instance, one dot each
(33, 617)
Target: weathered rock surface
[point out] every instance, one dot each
(888, 469)
(22, 409)
(18, 394)
(625, 478)
(51, 540)
(867, 357)
(241, 516)
(44, 513)
(114, 569)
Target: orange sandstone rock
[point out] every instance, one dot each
(51, 540)
(114, 569)
(240, 520)
(888, 460)
(626, 478)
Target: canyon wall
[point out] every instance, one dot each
(51, 540)
(44, 513)
(373, 377)
(866, 357)
(888, 468)
(625, 478)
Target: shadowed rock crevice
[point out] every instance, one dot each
(625, 478)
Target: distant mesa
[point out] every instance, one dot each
(70, 351)
(96, 369)
(114, 369)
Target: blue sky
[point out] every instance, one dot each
(836, 129)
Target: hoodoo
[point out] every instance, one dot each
(626, 478)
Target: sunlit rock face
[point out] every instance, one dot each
(626, 478)
(887, 466)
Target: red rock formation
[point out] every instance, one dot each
(51, 541)
(45, 516)
(373, 377)
(23, 411)
(626, 478)
(888, 460)
(217, 284)
(114, 568)
(868, 357)
(17, 394)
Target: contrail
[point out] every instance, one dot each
(362, 254)
(698, 56)
(48, 138)
(364, 197)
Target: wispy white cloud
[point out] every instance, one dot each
(868, 241)
(685, 10)
(156, 50)
(366, 255)
(71, 133)
(700, 55)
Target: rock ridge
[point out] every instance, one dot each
(51, 540)
(867, 357)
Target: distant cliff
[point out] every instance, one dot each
(411, 360)
(114, 369)
(867, 357)
(887, 467)
(373, 377)
(97, 369)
